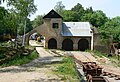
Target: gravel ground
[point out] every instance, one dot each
(39, 70)
(27, 74)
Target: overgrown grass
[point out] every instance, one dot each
(100, 54)
(114, 59)
(67, 70)
(21, 60)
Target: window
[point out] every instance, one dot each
(55, 25)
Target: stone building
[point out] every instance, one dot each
(65, 35)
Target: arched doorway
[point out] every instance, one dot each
(36, 39)
(52, 44)
(67, 44)
(83, 45)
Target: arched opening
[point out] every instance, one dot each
(36, 39)
(83, 45)
(52, 44)
(67, 45)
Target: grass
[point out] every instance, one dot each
(114, 59)
(100, 54)
(67, 70)
(21, 60)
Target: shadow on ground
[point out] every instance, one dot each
(37, 63)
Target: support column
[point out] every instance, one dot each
(92, 42)
(75, 44)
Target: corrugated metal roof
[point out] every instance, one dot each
(76, 29)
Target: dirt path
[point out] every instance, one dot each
(34, 43)
(83, 56)
(39, 70)
(43, 52)
(27, 74)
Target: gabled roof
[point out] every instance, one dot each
(76, 29)
(52, 14)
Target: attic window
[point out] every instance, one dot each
(55, 25)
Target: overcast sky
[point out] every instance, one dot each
(110, 7)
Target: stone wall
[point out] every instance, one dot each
(99, 45)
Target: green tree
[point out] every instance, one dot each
(8, 23)
(29, 27)
(69, 15)
(24, 8)
(59, 7)
(79, 9)
(3, 15)
(89, 10)
(11, 23)
(96, 18)
(111, 27)
(37, 21)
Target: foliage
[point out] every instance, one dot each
(23, 7)
(111, 29)
(23, 11)
(69, 15)
(97, 18)
(21, 59)
(79, 14)
(67, 68)
(113, 59)
(29, 27)
(10, 23)
(37, 21)
(78, 9)
(3, 15)
(99, 54)
(59, 7)
(15, 19)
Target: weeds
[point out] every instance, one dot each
(114, 59)
(21, 59)
(67, 69)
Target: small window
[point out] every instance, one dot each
(55, 25)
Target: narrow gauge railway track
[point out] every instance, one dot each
(90, 67)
